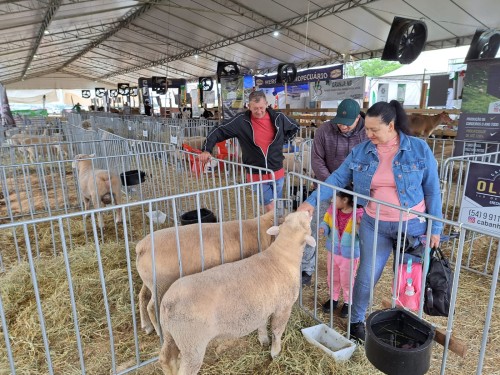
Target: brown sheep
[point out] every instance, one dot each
(166, 256)
(234, 299)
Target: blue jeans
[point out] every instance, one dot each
(387, 232)
(266, 194)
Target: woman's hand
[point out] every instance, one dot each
(434, 242)
(306, 207)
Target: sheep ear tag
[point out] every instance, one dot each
(310, 241)
(73, 164)
(273, 231)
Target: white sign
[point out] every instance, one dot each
(338, 89)
(144, 133)
(383, 92)
(480, 205)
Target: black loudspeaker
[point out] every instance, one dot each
(227, 68)
(287, 73)
(206, 83)
(406, 40)
(484, 45)
(159, 84)
(100, 91)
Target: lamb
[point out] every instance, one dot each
(234, 299)
(108, 185)
(424, 125)
(166, 256)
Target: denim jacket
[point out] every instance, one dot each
(415, 173)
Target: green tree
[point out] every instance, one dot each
(371, 68)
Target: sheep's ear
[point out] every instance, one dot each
(273, 231)
(310, 241)
(92, 156)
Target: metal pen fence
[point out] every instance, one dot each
(471, 326)
(81, 286)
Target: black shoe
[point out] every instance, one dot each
(344, 313)
(306, 279)
(358, 332)
(326, 306)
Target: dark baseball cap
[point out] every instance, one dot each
(347, 112)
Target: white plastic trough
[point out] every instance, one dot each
(330, 341)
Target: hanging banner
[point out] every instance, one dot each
(383, 92)
(6, 118)
(308, 75)
(133, 90)
(113, 93)
(341, 89)
(480, 205)
(232, 95)
(86, 94)
(479, 122)
(195, 103)
(401, 93)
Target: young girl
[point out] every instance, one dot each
(342, 238)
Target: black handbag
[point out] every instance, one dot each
(438, 285)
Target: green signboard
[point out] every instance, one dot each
(31, 112)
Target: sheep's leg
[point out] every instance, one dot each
(86, 204)
(278, 325)
(118, 200)
(192, 358)
(144, 298)
(152, 315)
(263, 336)
(169, 355)
(95, 202)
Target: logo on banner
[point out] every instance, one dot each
(113, 93)
(123, 89)
(86, 94)
(133, 90)
(100, 91)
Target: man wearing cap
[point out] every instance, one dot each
(333, 141)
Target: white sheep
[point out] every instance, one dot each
(166, 256)
(234, 299)
(108, 185)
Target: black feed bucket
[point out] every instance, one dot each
(133, 177)
(191, 217)
(398, 342)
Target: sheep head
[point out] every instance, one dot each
(78, 157)
(299, 219)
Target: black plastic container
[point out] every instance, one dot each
(133, 177)
(191, 217)
(398, 342)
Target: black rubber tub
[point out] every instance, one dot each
(133, 177)
(191, 217)
(398, 342)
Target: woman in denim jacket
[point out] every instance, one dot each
(392, 167)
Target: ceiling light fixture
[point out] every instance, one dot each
(46, 32)
(196, 56)
(276, 33)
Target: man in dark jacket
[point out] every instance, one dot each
(333, 141)
(261, 133)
